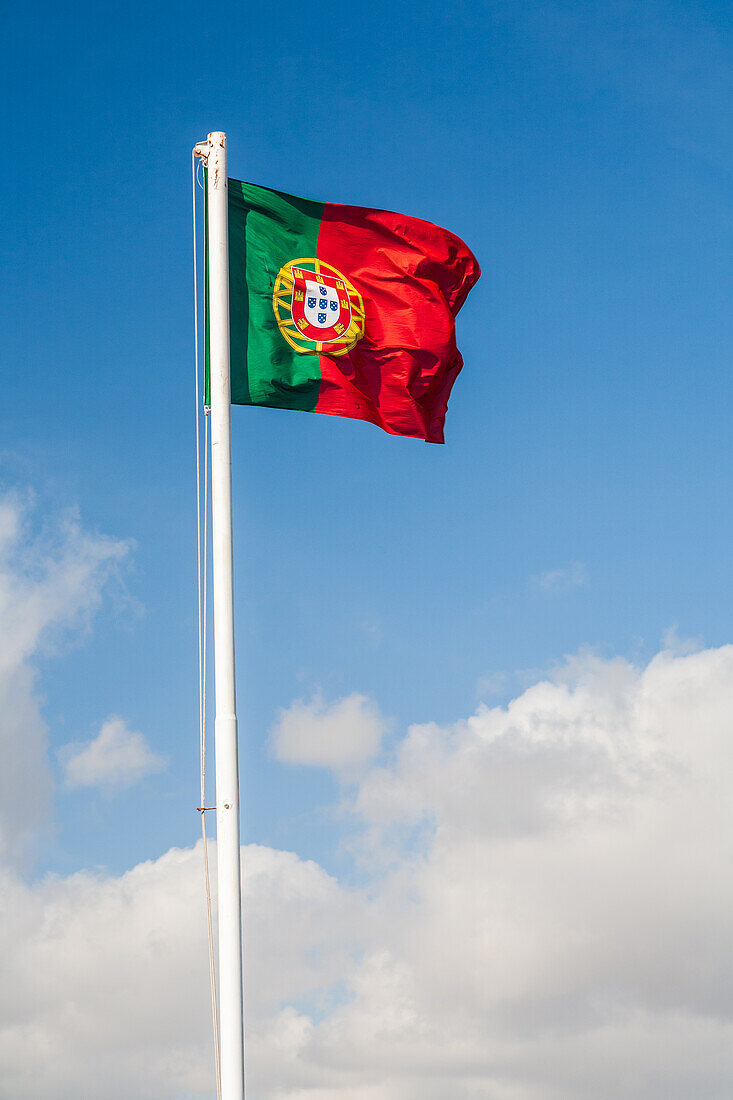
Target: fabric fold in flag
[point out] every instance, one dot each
(344, 310)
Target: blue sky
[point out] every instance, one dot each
(581, 151)
(583, 497)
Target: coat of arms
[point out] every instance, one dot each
(316, 307)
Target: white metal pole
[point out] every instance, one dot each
(231, 1024)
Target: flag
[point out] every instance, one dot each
(344, 310)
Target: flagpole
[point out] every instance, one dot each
(231, 1023)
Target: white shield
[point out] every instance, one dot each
(322, 308)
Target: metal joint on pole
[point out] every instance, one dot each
(231, 1024)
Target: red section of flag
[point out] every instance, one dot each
(414, 277)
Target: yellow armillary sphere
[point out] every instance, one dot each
(317, 308)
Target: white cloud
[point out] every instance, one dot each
(557, 904)
(116, 757)
(105, 978)
(51, 580)
(568, 911)
(343, 736)
(566, 579)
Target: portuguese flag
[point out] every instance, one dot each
(344, 310)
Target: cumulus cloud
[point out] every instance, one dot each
(552, 923)
(105, 978)
(343, 736)
(51, 580)
(116, 757)
(568, 901)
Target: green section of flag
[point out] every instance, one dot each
(266, 230)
